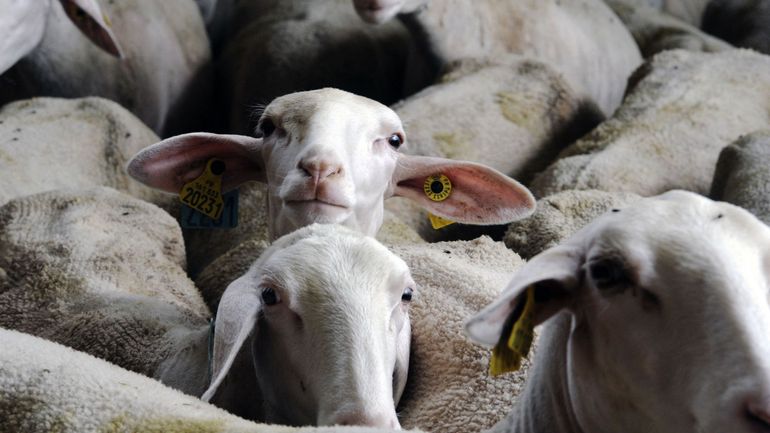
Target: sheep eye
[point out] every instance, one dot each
(407, 295)
(269, 297)
(395, 141)
(609, 274)
(266, 127)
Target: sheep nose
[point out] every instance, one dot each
(320, 169)
(383, 420)
(758, 412)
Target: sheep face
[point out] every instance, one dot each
(23, 23)
(330, 156)
(325, 312)
(669, 317)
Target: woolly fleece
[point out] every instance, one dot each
(98, 271)
(684, 108)
(46, 387)
(560, 215)
(50, 143)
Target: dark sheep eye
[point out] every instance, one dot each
(407, 295)
(609, 273)
(395, 141)
(269, 297)
(266, 127)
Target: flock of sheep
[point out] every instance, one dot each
(586, 139)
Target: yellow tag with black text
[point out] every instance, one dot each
(437, 222)
(516, 340)
(437, 187)
(204, 193)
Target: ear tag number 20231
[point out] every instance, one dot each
(203, 205)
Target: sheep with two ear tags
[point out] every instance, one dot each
(655, 318)
(327, 156)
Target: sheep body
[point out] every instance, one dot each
(88, 140)
(47, 387)
(669, 290)
(670, 128)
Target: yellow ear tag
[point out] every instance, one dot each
(516, 340)
(204, 193)
(438, 188)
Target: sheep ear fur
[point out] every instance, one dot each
(480, 194)
(173, 162)
(555, 276)
(236, 319)
(89, 18)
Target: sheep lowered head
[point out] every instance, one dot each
(666, 325)
(330, 156)
(22, 25)
(329, 337)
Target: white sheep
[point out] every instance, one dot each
(742, 175)
(163, 74)
(581, 39)
(324, 341)
(658, 322)
(332, 157)
(682, 110)
(47, 387)
(51, 143)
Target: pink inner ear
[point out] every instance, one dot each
(480, 195)
(170, 164)
(88, 17)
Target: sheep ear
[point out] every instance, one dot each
(95, 25)
(170, 164)
(22, 25)
(479, 194)
(555, 277)
(236, 319)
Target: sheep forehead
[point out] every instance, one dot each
(687, 236)
(329, 263)
(329, 111)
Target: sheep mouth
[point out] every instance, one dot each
(316, 202)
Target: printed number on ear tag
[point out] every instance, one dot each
(204, 193)
(516, 340)
(192, 219)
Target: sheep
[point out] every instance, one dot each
(103, 273)
(50, 143)
(742, 176)
(581, 39)
(656, 31)
(163, 76)
(48, 387)
(332, 157)
(448, 390)
(658, 322)
(279, 47)
(682, 110)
